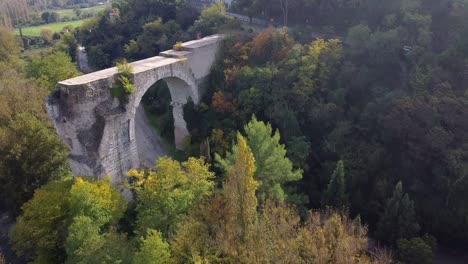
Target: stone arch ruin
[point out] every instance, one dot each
(100, 129)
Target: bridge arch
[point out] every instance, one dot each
(182, 86)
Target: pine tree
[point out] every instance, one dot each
(273, 168)
(153, 249)
(399, 218)
(335, 195)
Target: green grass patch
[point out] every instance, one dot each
(55, 27)
(70, 13)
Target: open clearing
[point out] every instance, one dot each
(55, 27)
(70, 13)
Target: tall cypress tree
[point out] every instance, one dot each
(335, 195)
(241, 202)
(399, 218)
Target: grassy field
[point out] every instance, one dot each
(55, 27)
(84, 11)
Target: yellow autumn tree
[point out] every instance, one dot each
(165, 195)
(241, 202)
(332, 238)
(228, 227)
(99, 200)
(319, 67)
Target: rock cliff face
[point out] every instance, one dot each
(100, 129)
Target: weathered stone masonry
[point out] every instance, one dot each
(100, 130)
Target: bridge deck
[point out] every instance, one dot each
(138, 67)
(194, 44)
(167, 57)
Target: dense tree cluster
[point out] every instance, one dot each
(140, 29)
(45, 71)
(13, 12)
(370, 127)
(180, 217)
(54, 4)
(389, 100)
(31, 154)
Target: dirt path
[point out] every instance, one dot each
(83, 60)
(149, 143)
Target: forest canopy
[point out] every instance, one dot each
(337, 134)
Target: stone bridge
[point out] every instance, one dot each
(100, 130)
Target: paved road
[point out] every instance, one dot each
(149, 143)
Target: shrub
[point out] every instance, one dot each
(124, 68)
(178, 46)
(125, 86)
(47, 35)
(416, 250)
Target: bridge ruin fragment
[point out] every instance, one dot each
(100, 129)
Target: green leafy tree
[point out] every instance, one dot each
(335, 195)
(273, 168)
(399, 218)
(50, 69)
(31, 155)
(212, 19)
(69, 45)
(46, 17)
(156, 37)
(298, 150)
(72, 222)
(40, 231)
(358, 36)
(316, 74)
(83, 239)
(98, 200)
(53, 17)
(416, 250)
(10, 49)
(165, 196)
(153, 249)
(77, 12)
(87, 244)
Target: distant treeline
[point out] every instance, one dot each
(13, 12)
